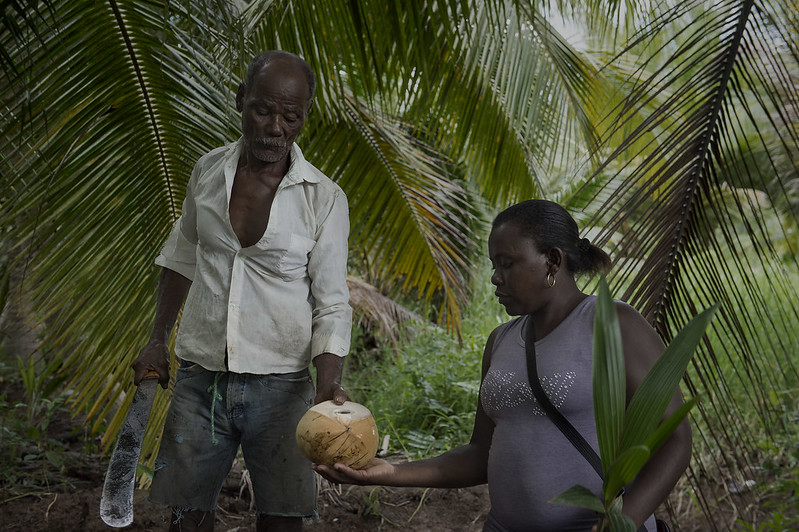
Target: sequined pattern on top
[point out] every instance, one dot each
(504, 390)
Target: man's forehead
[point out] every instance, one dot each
(281, 69)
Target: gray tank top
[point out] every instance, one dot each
(530, 460)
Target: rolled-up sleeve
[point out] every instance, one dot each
(327, 268)
(179, 252)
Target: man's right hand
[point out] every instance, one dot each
(154, 357)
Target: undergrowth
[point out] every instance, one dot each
(423, 391)
(39, 441)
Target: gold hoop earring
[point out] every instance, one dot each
(550, 280)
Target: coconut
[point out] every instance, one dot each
(330, 433)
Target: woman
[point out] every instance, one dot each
(536, 252)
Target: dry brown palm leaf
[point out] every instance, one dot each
(375, 310)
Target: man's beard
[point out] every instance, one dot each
(267, 149)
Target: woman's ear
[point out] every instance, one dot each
(555, 258)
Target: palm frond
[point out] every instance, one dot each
(378, 312)
(700, 118)
(413, 229)
(98, 178)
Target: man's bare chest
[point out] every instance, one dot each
(249, 209)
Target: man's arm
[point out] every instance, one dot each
(177, 259)
(332, 315)
(172, 290)
(329, 368)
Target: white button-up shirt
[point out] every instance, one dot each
(273, 305)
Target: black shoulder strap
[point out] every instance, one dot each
(553, 413)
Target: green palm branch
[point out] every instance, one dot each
(707, 204)
(670, 130)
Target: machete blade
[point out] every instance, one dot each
(116, 504)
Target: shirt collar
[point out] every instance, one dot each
(299, 169)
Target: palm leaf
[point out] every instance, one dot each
(609, 385)
(624, 430)
(706, 113)
(624, 469)
(620, 522)
(647, 405)
(415, 227)
(580, 496)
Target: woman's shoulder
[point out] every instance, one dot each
(504, 329)
(629, 316)
(637, 333)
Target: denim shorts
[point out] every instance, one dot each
(211, 415)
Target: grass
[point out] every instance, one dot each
(423, 391)
(37, 434)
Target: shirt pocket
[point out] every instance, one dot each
(284, 255)
(293, 262)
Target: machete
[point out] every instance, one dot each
(116, 504)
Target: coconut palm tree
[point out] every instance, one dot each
(669, 128)
(711, 121)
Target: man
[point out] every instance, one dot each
(259, 254)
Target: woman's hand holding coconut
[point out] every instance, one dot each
(378, 471)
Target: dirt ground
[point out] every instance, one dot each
(69, 501)
(76, 508)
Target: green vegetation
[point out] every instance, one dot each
(38, 439)
(423, 390)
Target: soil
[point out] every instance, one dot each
(62, 493)
(76, 506)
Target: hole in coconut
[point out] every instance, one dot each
(343, 412)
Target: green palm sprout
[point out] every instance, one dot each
(629, 434)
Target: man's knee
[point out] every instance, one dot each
(191, 521)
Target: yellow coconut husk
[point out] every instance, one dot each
(329, 433)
